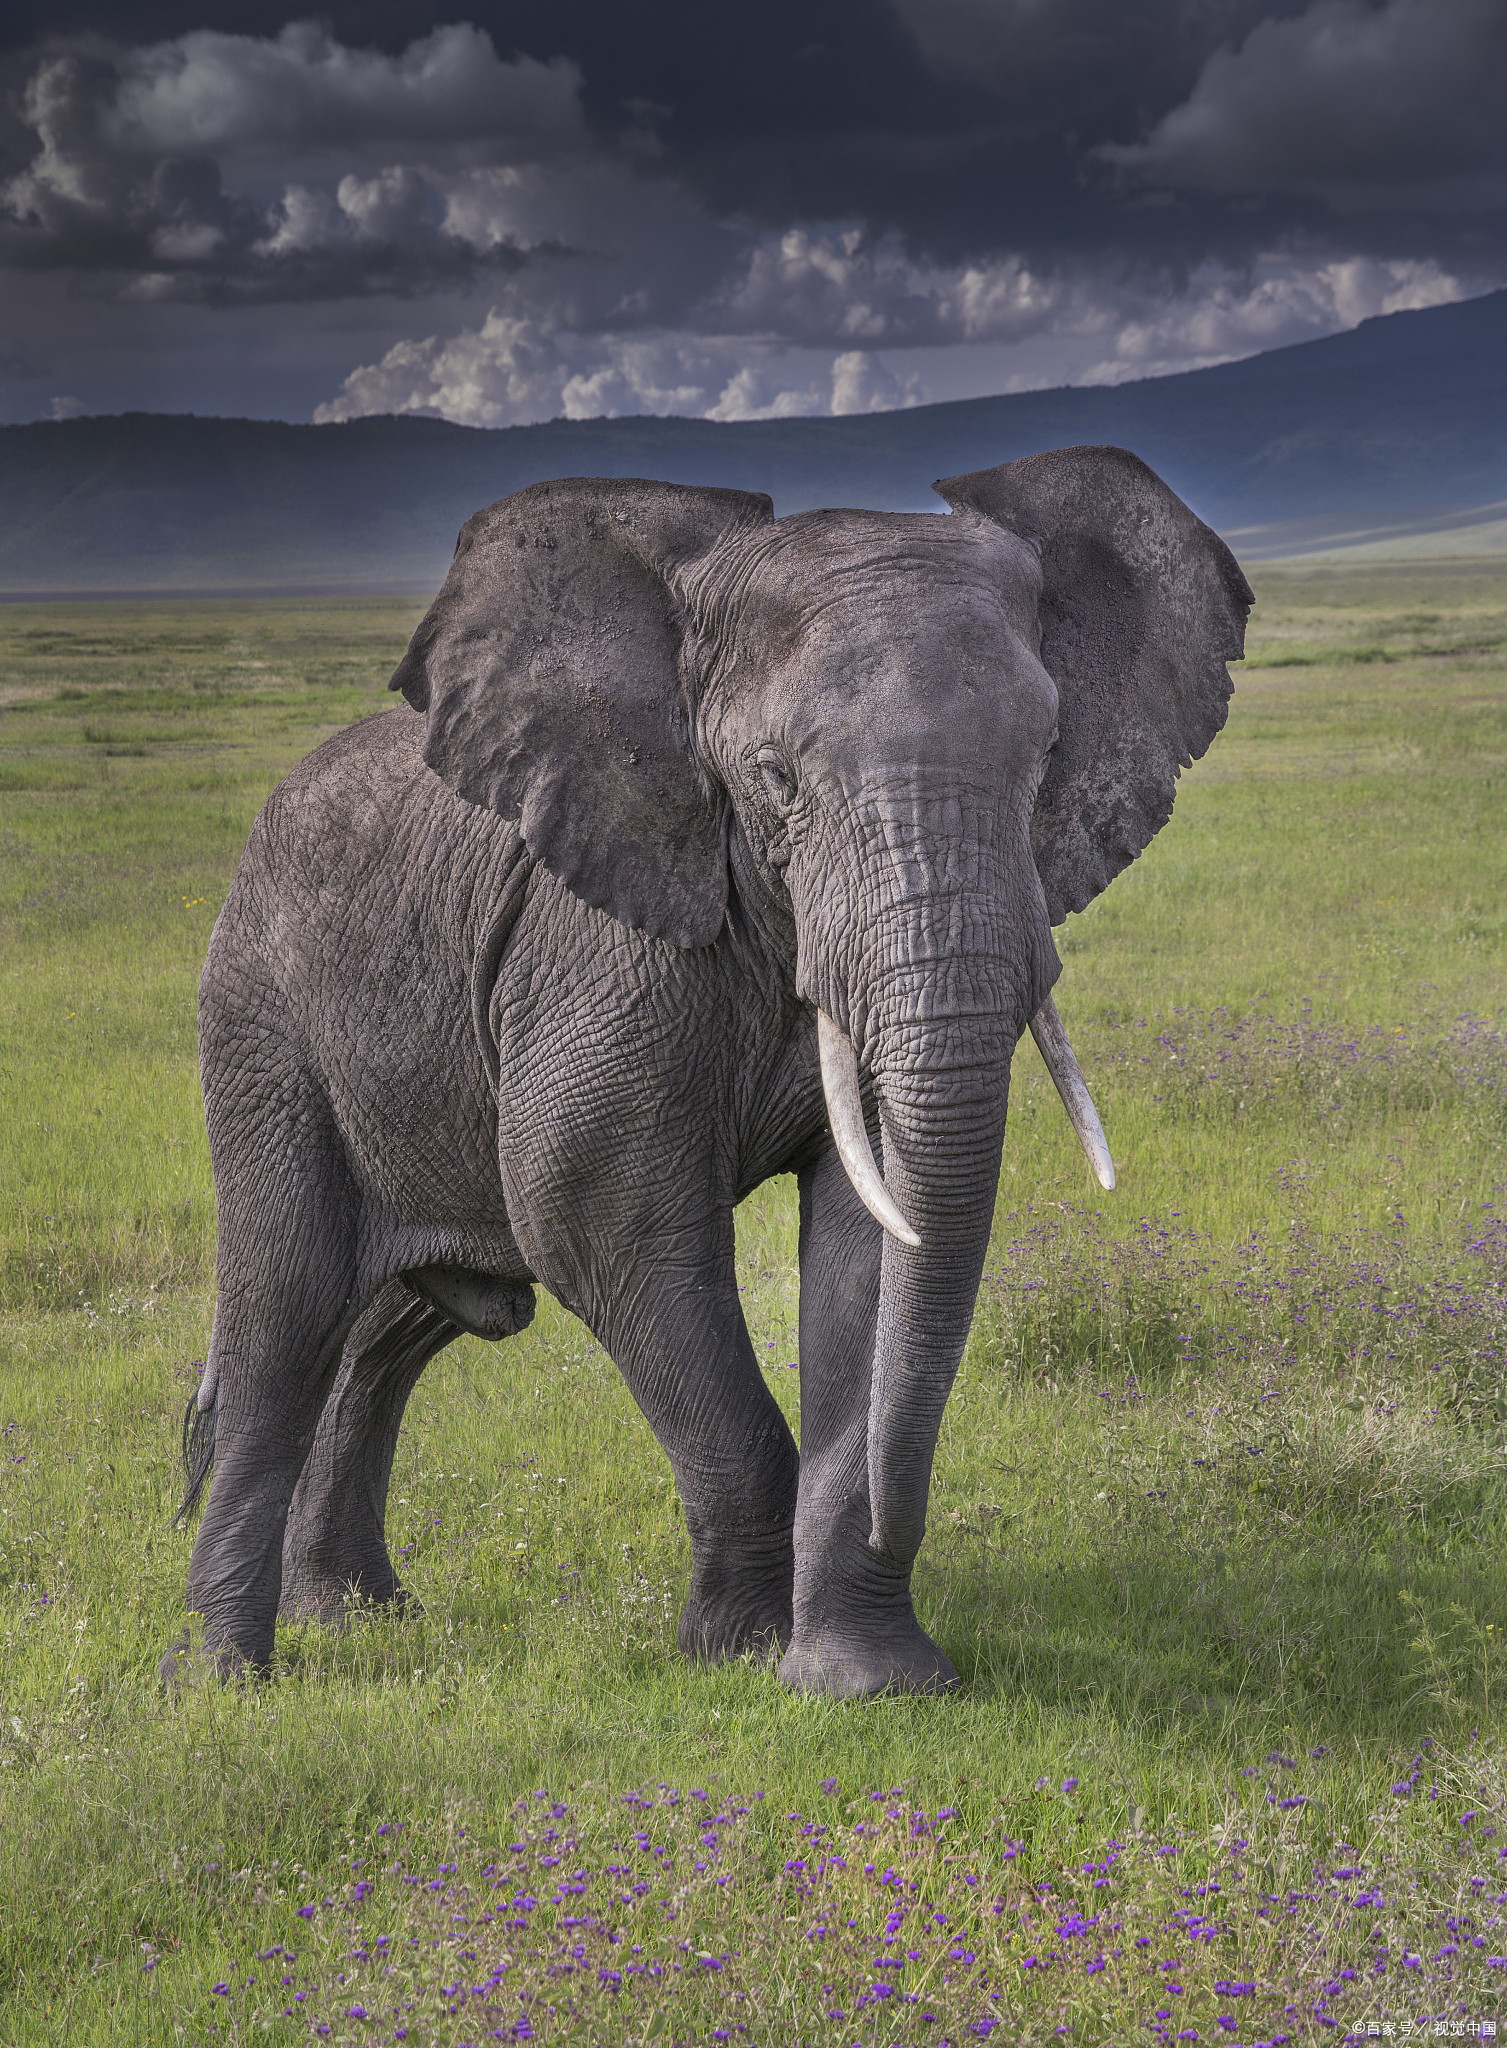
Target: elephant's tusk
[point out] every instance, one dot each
(845, 1115)
(1062, 1065)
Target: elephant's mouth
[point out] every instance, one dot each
(839, 1066)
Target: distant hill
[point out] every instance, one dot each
(1395, 430)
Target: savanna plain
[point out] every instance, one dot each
(1216, 1536)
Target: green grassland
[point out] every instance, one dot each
(1217, 1530)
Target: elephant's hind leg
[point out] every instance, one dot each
(285, 1302)
(334, 1548)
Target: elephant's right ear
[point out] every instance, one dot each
(1141, 607)
(549, 670)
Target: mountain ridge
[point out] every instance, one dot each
(1397, 426)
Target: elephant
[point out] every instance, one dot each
(704, 846)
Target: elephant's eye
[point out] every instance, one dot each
(779, 776)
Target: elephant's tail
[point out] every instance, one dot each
(198, 1452)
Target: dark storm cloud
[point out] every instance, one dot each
(966, 125)
(1374, 108)
(680, 207)
(129, 144)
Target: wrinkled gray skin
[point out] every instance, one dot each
(518, 983)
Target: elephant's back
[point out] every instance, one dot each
(362, 836)
(365, 882)
(352, 796)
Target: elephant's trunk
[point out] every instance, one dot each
(941, 1084)
(941, 1081)
(929, 988)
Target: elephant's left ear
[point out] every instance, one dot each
(1141, 607)
(549, 671)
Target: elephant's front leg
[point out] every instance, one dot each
(674, 1327)
(855, 1630)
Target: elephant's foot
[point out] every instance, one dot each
(856, 1633)
(740, 1600)
(845, 1669)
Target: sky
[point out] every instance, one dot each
(494, 214)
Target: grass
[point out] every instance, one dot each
(1216, 1537)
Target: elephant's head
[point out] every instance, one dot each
(910, 743)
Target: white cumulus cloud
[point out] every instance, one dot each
(505, 372)
(1217, 319)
